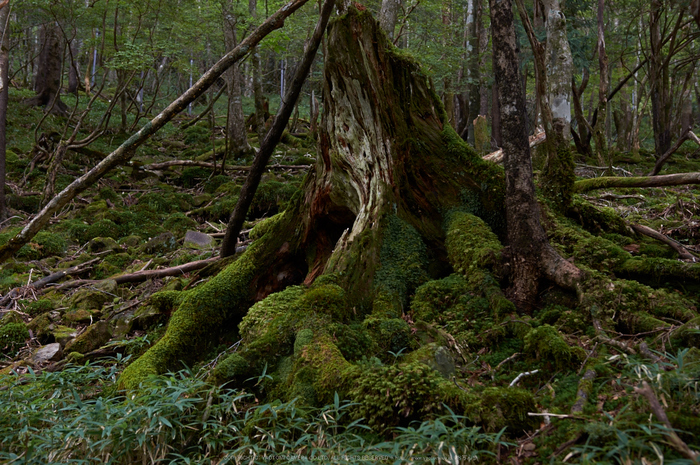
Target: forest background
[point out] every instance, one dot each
(80, 78)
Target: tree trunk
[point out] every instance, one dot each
(47, 82)
(4, 87)
(531, 255)
(235, 123)
(388, 16)
(659, 80)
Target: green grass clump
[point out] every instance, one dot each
(12, 337)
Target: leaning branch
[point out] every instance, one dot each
(647, 231)
(607, 182)
(125, 151)
(536, 139)
(245, 198)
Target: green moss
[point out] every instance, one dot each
(438, 296)
(179, 224)
(44, 244)
(388, 396)
(328, 299)
(403, 259)
(229, 368)
(557, 178)
(303, 338)
(103, 228)
(507, 407)
(258, 319)
(389, 334)
(547, 344)
(12, 338)
(470, 243)
(260, 229)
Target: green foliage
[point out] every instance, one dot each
(44, 244)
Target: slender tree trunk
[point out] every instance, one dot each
(74, 70)
(267, 147)
(47, 82)
(235, 126)
(388, 16)
(531, 256)
(601, 145)
(658, 79)
(4, 85)
(258, 94)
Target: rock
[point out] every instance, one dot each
(121, 323)
(93, 338)
(443, 362)
(102, 244)
(80, 316)
(41, 326)
(95, 297)
(62, 334)
(197, 240)
(162, 243)
(47, 353)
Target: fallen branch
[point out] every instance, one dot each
(145, 275)
(536, 139)
(682, 251)
(666, 180)
(127, 149)
(675, 441)
(204, 164)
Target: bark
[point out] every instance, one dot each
(553, 69)
(531, 255)
(237, 137)
(125, 151)
(388, 16)
(4, 88)
(606, 182)
(598, 128)
(47, 82)
(267, 147)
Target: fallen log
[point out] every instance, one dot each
(536, 139)
(606, 182)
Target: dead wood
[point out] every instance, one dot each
(664, 158)
(607, 182)
(647, 231)
(536, 139)
(204, 164)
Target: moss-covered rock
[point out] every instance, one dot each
(103, 244)
(94, 337)
(546, 344)
(95, 297)
(161, 244)
(470, 243)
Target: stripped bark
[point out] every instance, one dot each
(125, 151)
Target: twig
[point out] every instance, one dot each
(507, 360)
(517, 378)
(682, 251)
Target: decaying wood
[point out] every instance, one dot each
(675, 441)
(683, 253)
(607, 182)
(536, 139)
(204, 164)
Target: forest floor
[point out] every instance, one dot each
(142, 218)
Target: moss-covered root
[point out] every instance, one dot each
(473, 249)
(585, 387)
(205, 312)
